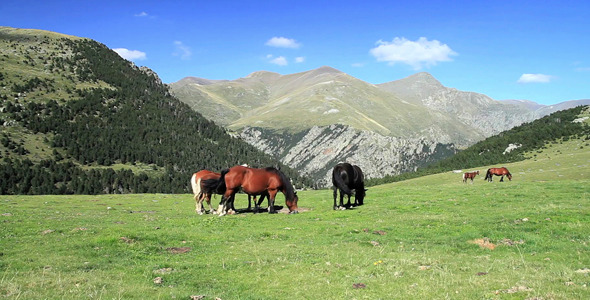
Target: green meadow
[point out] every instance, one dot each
(433, 237)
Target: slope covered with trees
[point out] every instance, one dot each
(81, 109)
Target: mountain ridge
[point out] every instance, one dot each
(289, 116)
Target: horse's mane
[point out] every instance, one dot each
(289, 189)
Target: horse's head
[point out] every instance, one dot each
(509, 176)
(360, 196)
(292, 204)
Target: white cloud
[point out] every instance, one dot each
(281, 60)
(417, 54)
(142, 14)
(132, 55)
(282, 42)
(182, 50)
(534, 78)
(299, 59)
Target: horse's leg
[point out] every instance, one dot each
(208, 199)
(342, 200)
(502, 178)
(198, 202)
(250, 201)
(348, 203)
(335, 196)
(271, 201)
(225, 201)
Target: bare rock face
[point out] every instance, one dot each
(315, 152)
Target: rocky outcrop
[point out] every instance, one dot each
(316, 151)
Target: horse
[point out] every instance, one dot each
(266, 182)
(470, 175)
(202, 192)
(347, 177)
(498, 172)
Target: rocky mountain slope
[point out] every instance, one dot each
(315, 119)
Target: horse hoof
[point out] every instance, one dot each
(293, 212)
(342, 208)
(200, 213)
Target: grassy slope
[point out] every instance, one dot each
(413, 239)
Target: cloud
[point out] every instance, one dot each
(141, 14)
(299, 59)
(417, 54)
(534, 78)
(131, 55)
(281, 60)
(182, 50)
(282, 42)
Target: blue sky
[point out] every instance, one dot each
(533, 50)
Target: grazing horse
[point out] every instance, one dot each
(347, 177)
(266, 182)
(470, 175)
(498, 172)
(200, 192)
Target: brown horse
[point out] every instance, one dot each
(498, 172)
(267, 182)
(470, 175)
(201, 192)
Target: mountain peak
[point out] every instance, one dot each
(327, 69)
(424, 78)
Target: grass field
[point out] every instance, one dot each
(429, 238)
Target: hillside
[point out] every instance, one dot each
(315, 119)
(517, 144)
(77, 118)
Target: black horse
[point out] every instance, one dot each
(346, 178)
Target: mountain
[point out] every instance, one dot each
(315, 119)
(77, 118)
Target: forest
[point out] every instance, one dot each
(131, 119)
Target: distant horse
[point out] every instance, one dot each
(470, 175)
(498, 172)
(266, 182)
(201, 192)
(347, 177)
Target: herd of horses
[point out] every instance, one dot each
(267, 182)
(489, 174)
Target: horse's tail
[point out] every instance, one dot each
(339, 182)
(488, 174)
(216, 186)
(464, 177)
(196, 185)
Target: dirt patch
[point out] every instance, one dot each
(48, 231)
(285, 210)
(509, 242)
(127, 240)
(359, 285)
(178, 250)
(484, 243)
(164, 271)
